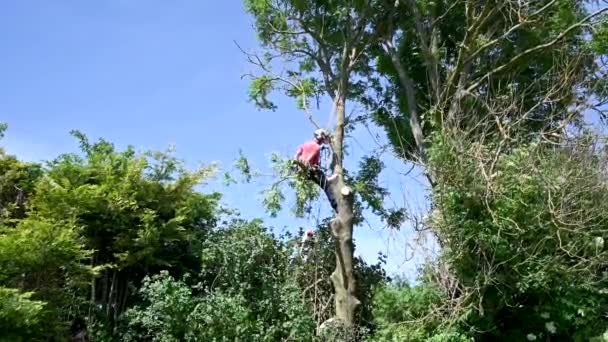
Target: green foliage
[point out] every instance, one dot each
(245, 293)
(259, 90)
(405, 313)
(49, 259)
(3, 127)
(366, 183)
(137, 212)
(600, 38)
(21, 319)
(38, 254)
(244, 168)
(171, 313)
(118, 213)
(309, 37)
(523, 232)
(372, 195)
(508, 59)
(273, 199)
(16, 186)
(244, 260)
(98, 225)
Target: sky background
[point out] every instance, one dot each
(154, 73)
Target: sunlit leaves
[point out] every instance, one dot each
(273, 199)
(366, 182)
(3, 127)
(373, 195)
(538, 210)
(137, 211)
(599, 42)
(259, 89)
(21, 318)
(242, 165)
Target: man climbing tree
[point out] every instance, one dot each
(308, 158)
(309, 153)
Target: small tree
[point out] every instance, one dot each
(139, 214)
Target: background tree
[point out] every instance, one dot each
(498, 87)
(323, 46)
(244, 291)
(17, 183)
(445, 60)
(139, 214)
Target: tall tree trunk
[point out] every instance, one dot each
(104, 289)
(342, 226)
(93, 281)
(111, 295)
(412, 105)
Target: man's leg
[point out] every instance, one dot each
(323, 182)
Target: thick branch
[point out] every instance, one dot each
(534, 49)
(461, 69)
(410, 93)
(308, 113)
(427, 43)
(511, 30)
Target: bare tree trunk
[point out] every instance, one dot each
(93, 281)
(104, 292)
(125, 295)
(412, 104)
(342, 227)
(111, 295)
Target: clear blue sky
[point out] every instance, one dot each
(153, 73)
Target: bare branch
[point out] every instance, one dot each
(533, 50)
(411, 99)
(461, 70)
(255, 59)
(511, 30)
(308, 113)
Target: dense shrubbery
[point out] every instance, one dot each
(120, 244)
(523, 246)
(21, 319)
(522, 234)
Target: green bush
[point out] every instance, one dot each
(522, 229)
(21, 319)
(405, 313)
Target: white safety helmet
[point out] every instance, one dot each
(321, 134)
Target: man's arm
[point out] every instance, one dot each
(298, 153)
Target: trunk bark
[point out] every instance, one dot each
(342, 227)
(104, 289)
(412, 104)
(111, 296)
(125, 295)
(93, 281)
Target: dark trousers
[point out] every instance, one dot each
(316, 175)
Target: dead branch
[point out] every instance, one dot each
(533, 50)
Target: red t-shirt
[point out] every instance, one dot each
(309, 153)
